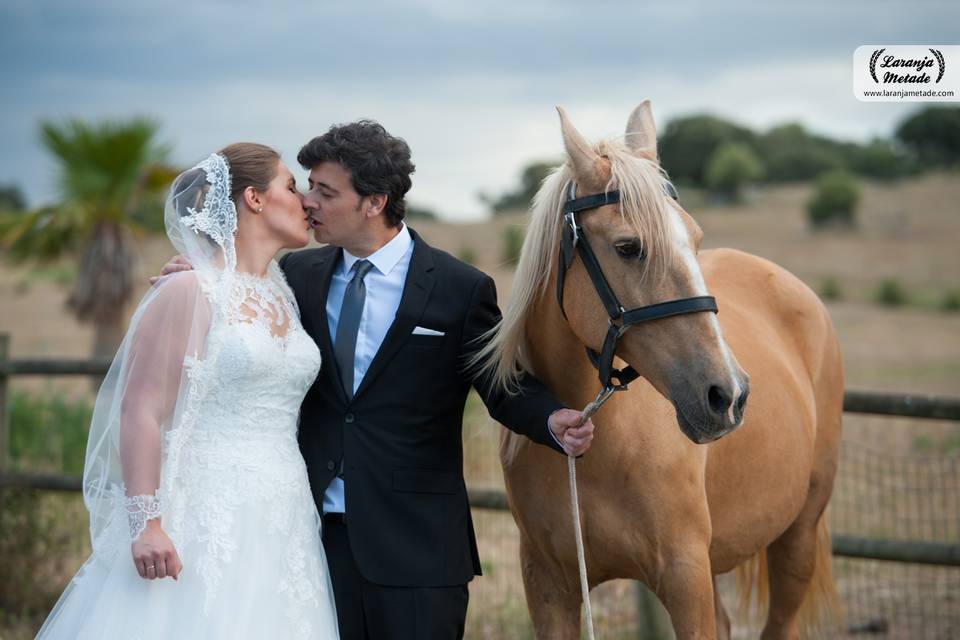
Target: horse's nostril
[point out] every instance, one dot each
(742, 400)
(718, 399)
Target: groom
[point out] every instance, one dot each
(380, 430)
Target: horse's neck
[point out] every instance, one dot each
(557, 356)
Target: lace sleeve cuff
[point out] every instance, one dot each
(140, 510)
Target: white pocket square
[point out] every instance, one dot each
(423, 331)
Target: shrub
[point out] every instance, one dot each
(512, 244)
(44, 533)
(890, 294)
(48, 433)
(834, 200)
(830, 289)
(467, 254)
(950, 301)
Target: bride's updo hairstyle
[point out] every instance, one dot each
(251, 165)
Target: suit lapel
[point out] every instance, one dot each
(416, 293)
(324, 268)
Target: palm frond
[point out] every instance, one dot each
(43, 235)
(102, 165)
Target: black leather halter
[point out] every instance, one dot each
(574, 239)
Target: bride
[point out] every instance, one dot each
(201, 518)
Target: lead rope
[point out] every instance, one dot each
(585, 415)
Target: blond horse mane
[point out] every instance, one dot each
(641, 182)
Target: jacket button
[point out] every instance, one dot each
(331, 465)
(348, 418)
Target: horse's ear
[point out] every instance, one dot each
(586, 162)
(641, 132)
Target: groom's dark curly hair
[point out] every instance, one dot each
(377, 161)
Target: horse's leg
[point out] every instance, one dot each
(798, 558)
(686, 590)
(723, 620)
(791, 560)
(554, 610)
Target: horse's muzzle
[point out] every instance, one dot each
(719, 414)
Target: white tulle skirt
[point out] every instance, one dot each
(271, 583)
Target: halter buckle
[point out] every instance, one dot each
(571, 220)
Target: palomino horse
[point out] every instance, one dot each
(663, 499)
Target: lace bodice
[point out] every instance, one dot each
(260, 379)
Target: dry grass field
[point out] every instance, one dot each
(907, 231)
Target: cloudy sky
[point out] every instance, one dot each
(470, 85)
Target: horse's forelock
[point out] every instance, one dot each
(641, 183)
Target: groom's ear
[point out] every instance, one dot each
(375, 204)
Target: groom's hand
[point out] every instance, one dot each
(572, 436)
(176, 263)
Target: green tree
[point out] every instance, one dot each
(881, 159)
(933, 135)
(521, 197)
(834, 200)
(108, 173)
(420, 213)
(11, 198)
(686, 144)
(790, 152)
(730, 167)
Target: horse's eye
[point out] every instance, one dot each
(629, 250)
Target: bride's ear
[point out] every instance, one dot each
(252, 200)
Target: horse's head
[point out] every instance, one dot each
(646, 246)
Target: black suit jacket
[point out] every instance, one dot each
(408, 517)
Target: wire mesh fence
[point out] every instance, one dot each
(897, 480)
(900, 486)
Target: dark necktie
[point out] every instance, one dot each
(350, 311)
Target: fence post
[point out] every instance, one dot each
(4, 411)
(654, 621)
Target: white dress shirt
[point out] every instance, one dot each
(384, 284)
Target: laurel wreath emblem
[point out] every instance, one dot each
(873, 64)
(939, 56)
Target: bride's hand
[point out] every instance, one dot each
(154, 554)
(176, 263)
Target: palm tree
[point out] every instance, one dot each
(110, 177)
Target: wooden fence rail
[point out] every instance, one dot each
(888, 404)
(909, 551)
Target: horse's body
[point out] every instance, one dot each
(657, 507)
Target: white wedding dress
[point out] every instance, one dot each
(240, 514)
